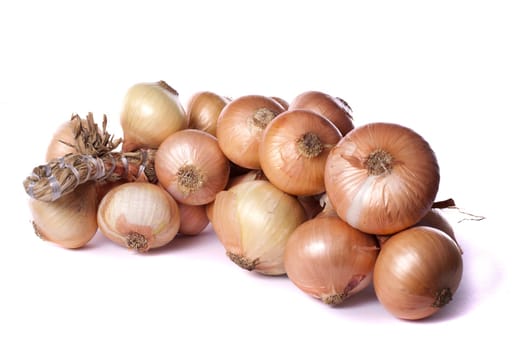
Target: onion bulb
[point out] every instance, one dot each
(240, 127)
(293, 151)
(330, 260)
(332, 108)
(191, 167)
(70, 221)
(139, 216)
(253, 221)
(150, 113)
(417, 272)
(382, 178)
(203, 111)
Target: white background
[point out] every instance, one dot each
(451, 70)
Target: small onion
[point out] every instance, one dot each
(417, 272)
(332, 108)
(330, 260)
(150, 113)
(191, 167)
(193, 219)
(70, 221)
(293, 151)
(139, 216)
(240, 127)
(382, 178)
(203, 110)
(253, 221)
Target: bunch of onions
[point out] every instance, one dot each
(139, 216)
(332, 108)
(240, 127)
(330, 260)
(70, 221)
(203, 110)
(417, 272)
(191, 167)
(253, 221)
(294, 149)
(382, 178)
(150, 113)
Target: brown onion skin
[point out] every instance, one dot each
(239, 132)
(333, 108)
(330, 260)
(382, 197)
(417, 272)
(292, 163)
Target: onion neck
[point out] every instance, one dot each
(379, 162)
(309, 145)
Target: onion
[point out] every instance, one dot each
(382, 178)
(70, 221)
(293, 151)
(203, 110)
(330, 260)
(150, 113)
(139, 216)
(417, 272)
(191, 167)
(332, 108)
(240, 127)
(253, 221)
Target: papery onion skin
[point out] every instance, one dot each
(139, 216)
(382, 178)
(150, 113)
(253, 221)
(330, 260)
(240, 127)
(203, 111)
(417, 272)
(294, 149)
(333, 108)
(70, 221)
(191, 166)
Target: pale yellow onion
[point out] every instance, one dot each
(60, 142)
(193, 219)
(330, 260)
(150, 113)
(191, 167)
(293, 151)
(203, 110)
(253, 221)
(240, 127)
(382, 178)
(333, 108)
(139, 216)
(417, 272)
(70, 221)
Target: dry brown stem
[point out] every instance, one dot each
(94, 160)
